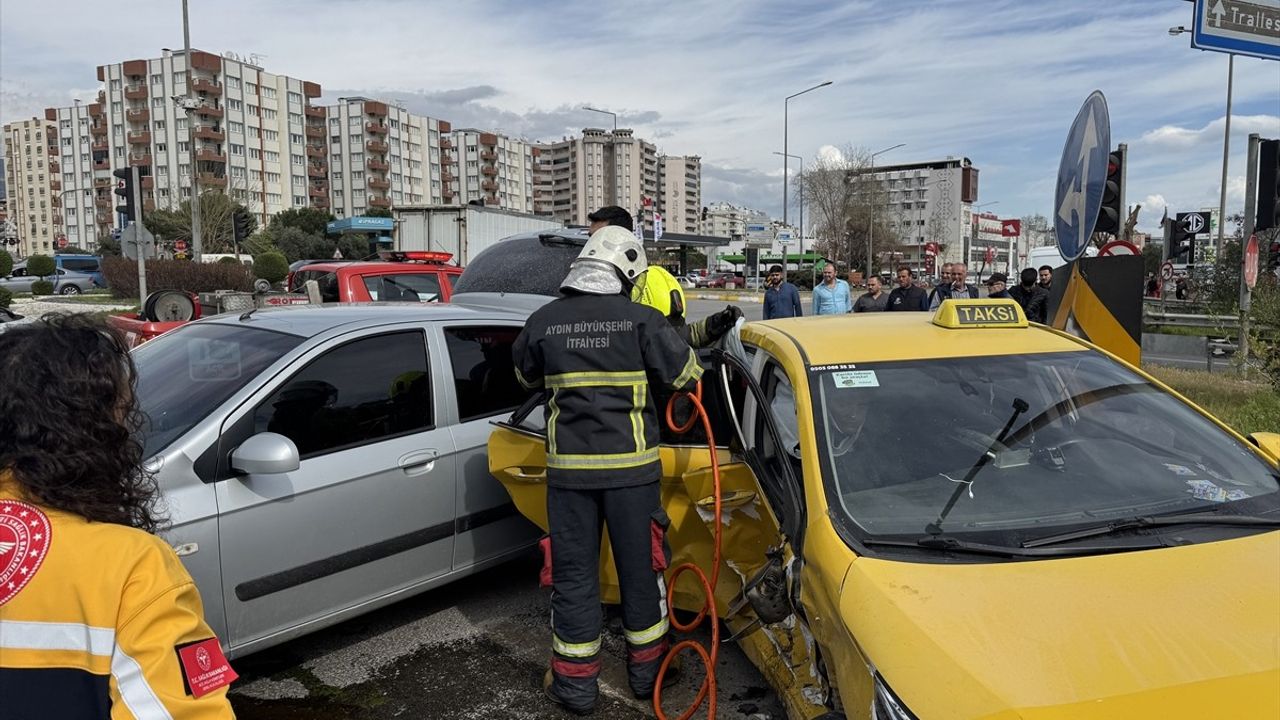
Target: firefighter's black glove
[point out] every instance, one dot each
(721, 322)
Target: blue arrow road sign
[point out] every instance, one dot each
(1237, 26)
(1082, 176)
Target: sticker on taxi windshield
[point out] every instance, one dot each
(1206, 490)
(213, 360)
(855, 379)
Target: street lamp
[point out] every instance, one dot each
(1226, 141)
(613, 153)
(785, 167)
(870, 217)
(799, 260)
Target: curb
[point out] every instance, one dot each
(731, 297)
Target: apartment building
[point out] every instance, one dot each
(495, 169)
(33, 186)
(680, 199)
(929, 202)
(247, 132)
(383, 155)
(579, 174)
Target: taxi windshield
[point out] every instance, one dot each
(1030, 442)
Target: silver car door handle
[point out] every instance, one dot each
(418, 463)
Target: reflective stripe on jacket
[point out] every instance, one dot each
(96, 630)
(597, 355)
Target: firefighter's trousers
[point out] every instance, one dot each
(637, 533)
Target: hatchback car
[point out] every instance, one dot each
(961, 515)
(319, 462)
(408, 276)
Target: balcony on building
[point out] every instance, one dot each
(140, 159)
(210, 132)
(101, 165)
(375, 146)
(377, 166)
(149, 205)
(313, 111)
(102, 202)
(102, 97)
(208, 179)
(489, 170)
(488, 139)
(140, 138)
(318, 192)
(380, 202)
(100, 146)
(446, 176)
(54, 166)
(379, 184)
(377, 128)
(489, 185)
(316, 151)
(98, 128)
(104, 218)
(55, 185)
(137, 115)
(95, 110)
(446, 158)
(317, 172)
(314, 132)
(135, 92)
(102, 182)
(375, 108)
(148, 182)
(320, 202)
(207, 155)
(488, 155)
(491, 200)
(207, 86)
(446, 143)
(208, 109)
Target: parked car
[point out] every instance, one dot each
(409, 276)
(91, 264)
(65, 282)
(323, 461)
(1038, 545)
(720, 279)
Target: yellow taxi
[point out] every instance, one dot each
(963, 515)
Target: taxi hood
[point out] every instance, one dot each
(1184, 632)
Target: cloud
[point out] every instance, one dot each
(1175, 136)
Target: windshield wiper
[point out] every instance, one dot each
(946, 543)
(1147, 521)
(1019, 406)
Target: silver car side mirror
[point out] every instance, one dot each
(266, 453)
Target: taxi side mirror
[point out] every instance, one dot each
(1269, 442)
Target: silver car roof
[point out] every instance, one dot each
(311, 320)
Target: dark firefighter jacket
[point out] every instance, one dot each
(596, 356)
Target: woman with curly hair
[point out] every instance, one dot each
(98, 617)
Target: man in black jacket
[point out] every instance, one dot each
(1033, 298)
(596, 352)
(907, 296)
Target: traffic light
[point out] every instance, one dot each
(128, 179)
(243, 225)
(1180, 243)
(1268, 185)
(1111, 214)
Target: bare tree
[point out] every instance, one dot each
(848, 207)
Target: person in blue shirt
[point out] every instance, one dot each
(832, 296)
(781, 298)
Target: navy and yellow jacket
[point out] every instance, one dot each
(597, 356)
(92, 619)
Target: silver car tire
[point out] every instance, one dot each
(69, 289)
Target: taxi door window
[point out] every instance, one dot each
(484, 378)
(362, 392)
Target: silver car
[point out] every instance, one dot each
(65, 282)
(321, 462)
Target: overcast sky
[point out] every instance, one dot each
(997, 81)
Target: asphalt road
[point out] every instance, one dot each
(475, 649)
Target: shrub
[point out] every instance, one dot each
(271, 267)
(122, 276)
(41, 266)
(6, 297)
(42, 287)
(229, 261)
(6, 263)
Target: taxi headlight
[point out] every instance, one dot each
(886, 705)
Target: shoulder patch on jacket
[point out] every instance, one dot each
(25, 535)
(204, 667)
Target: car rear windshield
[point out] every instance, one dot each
(1064, 439)
(185, 374)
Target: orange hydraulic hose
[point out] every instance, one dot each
(708, 658)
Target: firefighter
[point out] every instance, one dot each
(98, 617)
(660, 290)
(595, 351)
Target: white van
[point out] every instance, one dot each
(244, 258)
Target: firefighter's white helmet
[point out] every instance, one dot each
(618, 247)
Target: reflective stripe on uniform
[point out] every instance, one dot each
(643, 637)
(131, 683)
(612, 461)
(596, 379)
(551, 424)
(639, 397)
(575, 650)
(692, 371)
(527, 385)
